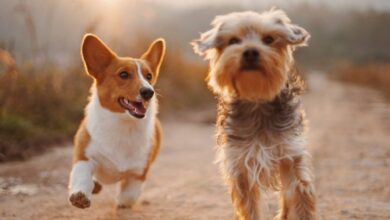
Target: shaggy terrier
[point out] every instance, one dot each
(260, 122)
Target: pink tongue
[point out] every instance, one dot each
(139, 108)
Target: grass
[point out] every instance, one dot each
(39, 107)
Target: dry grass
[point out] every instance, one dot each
(374, 75)
(39, 107)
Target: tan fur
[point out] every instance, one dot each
(264, 83)
(300, 202)
(260, 123)
(156, 145)
(108, 85)
(251, 28)
(155, 149)
(246, 199)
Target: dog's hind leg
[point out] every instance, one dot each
(297, 195)
(129, 191)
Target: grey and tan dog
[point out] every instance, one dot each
(260, 120)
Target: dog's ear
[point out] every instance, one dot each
(155, 55)
(206, 41)
(96, 55)
(296, 35)
(291, 33)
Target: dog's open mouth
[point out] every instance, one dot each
(136, 109)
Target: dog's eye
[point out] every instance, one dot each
(124, 75)
(234, 40)
(268, 40)
(149, 76)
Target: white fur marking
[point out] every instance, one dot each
(260, 159)
(118, 142)
(81, 178)
(144, 82)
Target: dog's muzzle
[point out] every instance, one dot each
(250, 59)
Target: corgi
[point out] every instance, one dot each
(120, 135)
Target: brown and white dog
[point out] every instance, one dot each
(260, 120)
(120, 135)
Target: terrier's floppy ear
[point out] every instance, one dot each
(291, 33)
(296, 35)
(209, 39)
(155, 55)
(96, 55)
(206, 41)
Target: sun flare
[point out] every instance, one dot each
(110, 4)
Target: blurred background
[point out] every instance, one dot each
(44, 89)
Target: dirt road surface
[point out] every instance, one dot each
(349, 139)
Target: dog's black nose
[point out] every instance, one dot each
(251, 55)
(146, 93)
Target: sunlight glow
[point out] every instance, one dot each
(110, 4)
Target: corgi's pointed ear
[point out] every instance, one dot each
(96, 55)
(155, 54)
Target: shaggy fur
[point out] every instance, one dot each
(260, 127)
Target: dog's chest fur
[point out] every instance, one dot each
(258, 135)
(119, 143)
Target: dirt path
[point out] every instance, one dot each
(349, 139)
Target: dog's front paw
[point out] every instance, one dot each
(80, 200)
